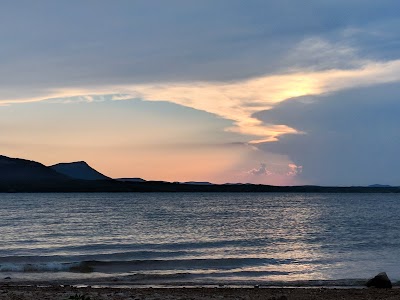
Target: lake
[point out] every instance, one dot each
(200, 239)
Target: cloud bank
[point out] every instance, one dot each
(239, 100)
(351, 136)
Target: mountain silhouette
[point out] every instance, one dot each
(78, 170)
(16, 170)
(21, 175)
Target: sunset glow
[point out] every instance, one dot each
(199, 120)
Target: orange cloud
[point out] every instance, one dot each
(239, 100)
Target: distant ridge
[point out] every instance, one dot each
(21, 175)
(198, 183)
(379, 185)
(130, 179)
(78, 170)
(16, 170)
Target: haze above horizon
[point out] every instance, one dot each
(271, 92)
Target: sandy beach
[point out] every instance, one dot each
(14, 292)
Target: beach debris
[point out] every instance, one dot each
(257, 286)
(282, 297)
(79, 297)
(380, 281)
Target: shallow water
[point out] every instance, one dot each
(199, 238)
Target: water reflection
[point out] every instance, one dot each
(285, 236)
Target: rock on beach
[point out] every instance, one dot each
(380, 281)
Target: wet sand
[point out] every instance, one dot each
(14, 292)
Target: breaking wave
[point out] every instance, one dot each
(138, 265)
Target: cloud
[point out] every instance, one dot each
(89, 98)
(279, 169)
(294, 170)
(246, 58)
(144, 41)
(316, 53)
(350, 137)
(239, 101)
(260, 171)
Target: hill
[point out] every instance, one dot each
(16, 170)
(79, 170)
(20, 175)
(135, 179)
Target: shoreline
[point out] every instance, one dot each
(57, 292)
(118, 282)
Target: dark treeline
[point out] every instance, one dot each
(159, 186)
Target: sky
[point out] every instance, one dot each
(273, 92)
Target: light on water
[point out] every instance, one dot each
(199, 238)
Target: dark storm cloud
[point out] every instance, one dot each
(55, 44)
(351, 137)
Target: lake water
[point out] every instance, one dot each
(200, 239)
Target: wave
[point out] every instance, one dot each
(124, 266)
(107, 256)
(39, 267)
(116, 246)
(190, 279)
(237, 271)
